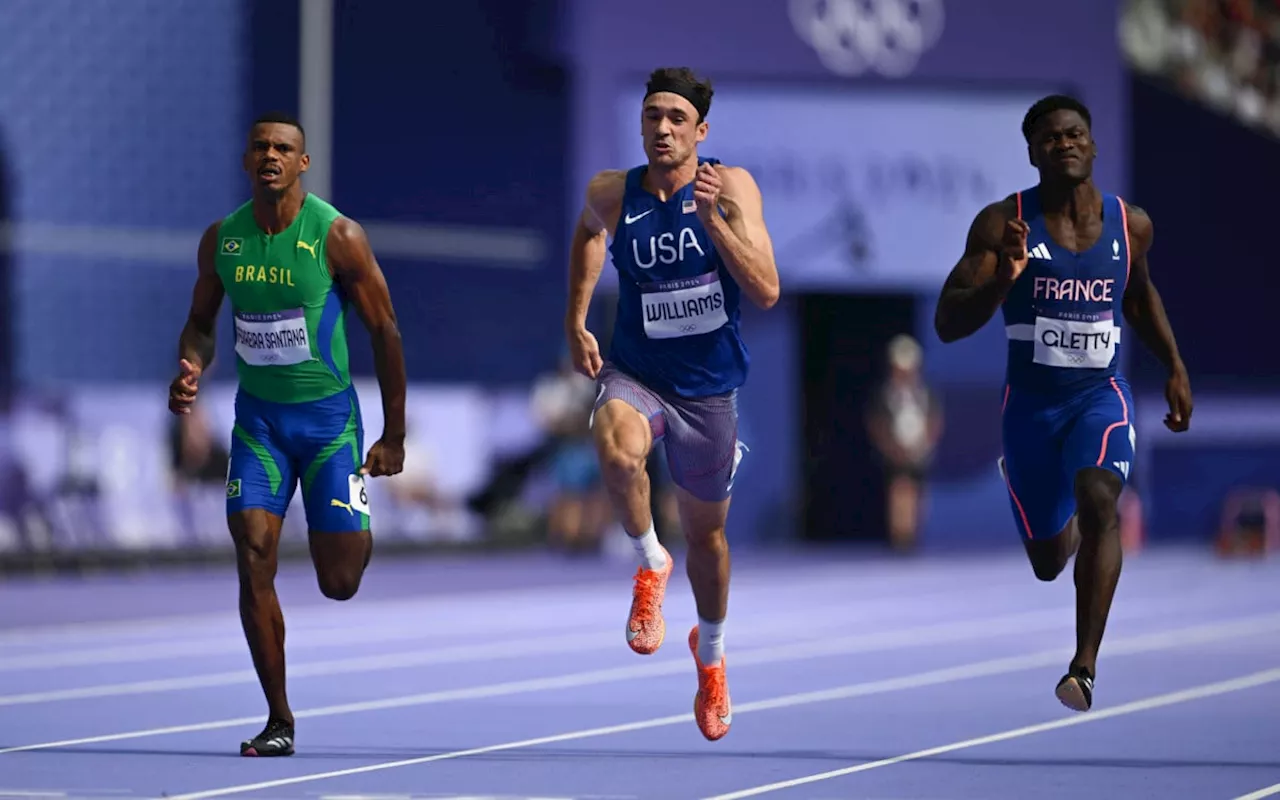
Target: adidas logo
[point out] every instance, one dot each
(1040, 251)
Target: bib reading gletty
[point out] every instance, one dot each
(1062, 315)
(289, 313)
(677, 325)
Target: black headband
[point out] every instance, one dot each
(681, 88)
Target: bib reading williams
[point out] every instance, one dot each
(677, 328)
(1063, 315)
(289, 313)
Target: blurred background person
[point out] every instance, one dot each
(578, 511)
(905, 422)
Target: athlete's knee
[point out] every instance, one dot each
(708, 540)
(622, 442)
(1097, 499)
(1048, 567)
(256, 536)
(704, 523)
(339, 583)
(340, 561)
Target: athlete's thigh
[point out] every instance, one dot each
(1102, 435)
(327, 438)
(1041, 500)
(615, 385)
(260, 473)
(703, 450)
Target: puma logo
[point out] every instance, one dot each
(336, 503)
(310, 248)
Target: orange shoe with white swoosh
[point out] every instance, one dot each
(711, 707)
(645, 626)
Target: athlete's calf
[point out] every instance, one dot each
(1099, 561)
(256, 534)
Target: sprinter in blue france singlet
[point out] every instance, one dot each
(1066, 264)
(1066, 406)
(677, 329)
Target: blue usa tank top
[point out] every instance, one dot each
(1063, 316)
(677, 327)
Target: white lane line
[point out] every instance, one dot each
(311, 619)
(301, 619)
(567, 615)
(1261, 793)
(1158, 701)
(944, 633)
(1195, 635)
(1170, 639)
(547, 643)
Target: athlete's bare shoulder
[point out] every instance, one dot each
(207, 251)
(989, 223)
(1141, 228)
(739, 184)
(731, 172)
(604, 200)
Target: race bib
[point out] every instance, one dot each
(278, 339)
(358, 495)
(1075, 344)
(683, 307)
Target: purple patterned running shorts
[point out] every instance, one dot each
(700, 434)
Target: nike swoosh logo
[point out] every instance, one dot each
(631, 634)
(630, 219)
(727, 719)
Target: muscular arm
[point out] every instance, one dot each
(356, 269)
(590, 243)
(196, 344)
(974, 290)
(1143, 308)
(742, 237)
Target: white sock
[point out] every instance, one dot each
(650, 552)
(710, 642)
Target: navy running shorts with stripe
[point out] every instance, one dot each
(318, 444)
(1048, 439)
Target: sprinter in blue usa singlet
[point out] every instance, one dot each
(677, 329)
(1066, 265)
(689, 242)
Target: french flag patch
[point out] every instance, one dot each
(689, 206)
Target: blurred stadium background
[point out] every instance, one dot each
(462, 135)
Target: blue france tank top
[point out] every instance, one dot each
(677, 326)
(1063, 316)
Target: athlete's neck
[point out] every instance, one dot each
(1076, 200)
(666, 181)
(276, 211)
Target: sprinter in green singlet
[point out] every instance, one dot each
(292, 267)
